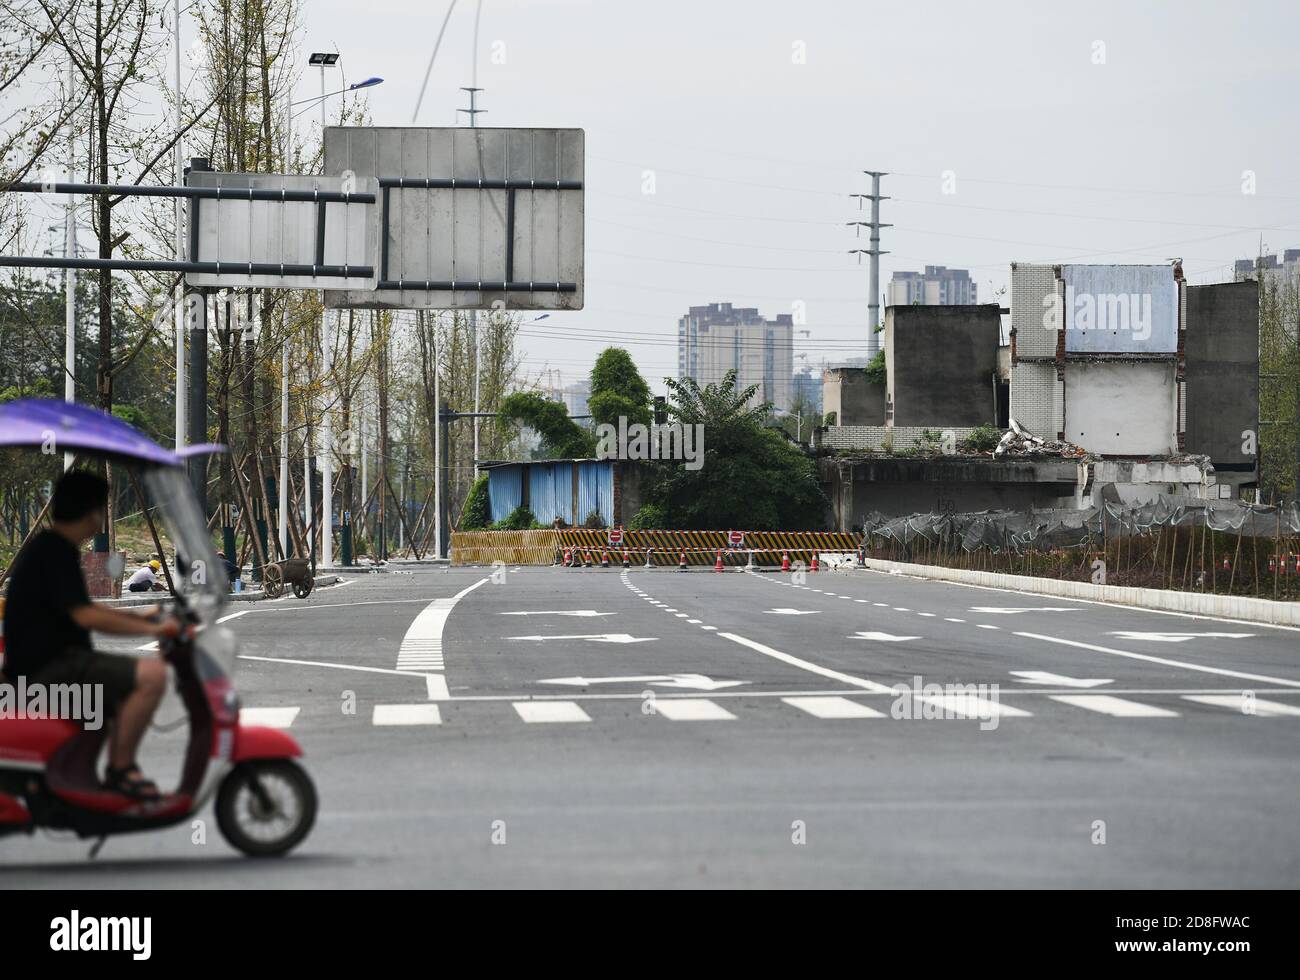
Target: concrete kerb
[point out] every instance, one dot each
(248, 595)
(1245, 608)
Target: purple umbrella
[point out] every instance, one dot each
(69, 427)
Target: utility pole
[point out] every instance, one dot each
(283, 501)
(178, 218)
(473, 112)
(874, 252)
(326, 426)
(70, 279)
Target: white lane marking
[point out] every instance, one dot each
(1221, 671)
(549, 712)
(882, 637)
(1015, 610)
(901, 609)
(953, 619)
(1176, 637)
(833, 707)
(268, 717)
(421, 648)
(680, 615)
(971, 706)
(692, 709)
(234, 615)
(585, 613)
(699, 682)
(861, 600)
(708, 627)
(1244, 705)
(590, 638)
(406, 714)
(1059, 680)
(882, 605)
(322, 663)
(1113, 706)
(436, 685)
(809, 666)
(783, 611)
(986, 626)
(694, 622)
(927, 615)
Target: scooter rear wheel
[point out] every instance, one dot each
(266, 807)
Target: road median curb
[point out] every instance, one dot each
(1245, 608)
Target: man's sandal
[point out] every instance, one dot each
(131, 782)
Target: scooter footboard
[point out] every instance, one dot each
(259, 742)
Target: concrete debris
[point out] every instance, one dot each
(1019, 441)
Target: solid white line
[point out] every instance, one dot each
(550, 711)
(1113, 706)
(1163, 660)
(1239, 703)
(833, 707)
(692, 709)
(406, 714)
(234, 615)
(321, 663)
(268, 717)
(808, 666)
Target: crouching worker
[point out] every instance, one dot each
(48, 618)
(146, 579)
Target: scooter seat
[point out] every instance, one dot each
(31, 740)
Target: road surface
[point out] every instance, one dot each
(544, 727)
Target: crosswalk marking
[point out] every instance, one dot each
(1108, 704)
(1265, 709)
(833, 707)
(971, 706)
(268, 717)
(692, 709)
(550, 711)
(406, 714)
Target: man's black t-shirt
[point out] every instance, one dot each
(45, 585)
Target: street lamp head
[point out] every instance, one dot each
(365, 84)
(323, 59)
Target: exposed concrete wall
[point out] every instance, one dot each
(1223, 375)
(853, 399)
(895, 487)
(1122, 408)
(942, 361)
(875, 438)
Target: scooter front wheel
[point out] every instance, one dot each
(266, 807)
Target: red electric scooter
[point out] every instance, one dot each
(265, 801)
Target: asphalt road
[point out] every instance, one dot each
(553, 728)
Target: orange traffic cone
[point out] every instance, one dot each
(815, 566)
(626, 562)
(717, 565)
(785, 561)
(568, 557)
(586, 559)
(681, 562)
(648, 553)
(604, 558)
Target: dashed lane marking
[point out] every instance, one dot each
(1107, 704)
(1245, 705)
(833, 707)
(406, 714)
(692, 709)
(550, 712)
(268, 717)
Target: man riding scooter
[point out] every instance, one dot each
(48, 618)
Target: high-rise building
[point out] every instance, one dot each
(575, 398)
(714, 339)
(1286, 265)
(936, 286)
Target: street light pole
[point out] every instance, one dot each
(326, 424)
(473, 112)
(69, 283)
(179, 243)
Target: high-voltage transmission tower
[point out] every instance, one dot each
(873, 305)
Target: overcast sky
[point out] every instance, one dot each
(757, 118)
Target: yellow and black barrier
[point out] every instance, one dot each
(666, 547)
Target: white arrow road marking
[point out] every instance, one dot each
(1281, 681)
(558, 612)
(883, 637)
(1178, 637)
(1113, 706)
(1264, 709)
(697, 682)
(1012, 610)
(792, 612)
(591, 637)
(1057, 680)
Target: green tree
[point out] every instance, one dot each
(476, 515)
(562, 438)
(618, 390)
(752, 477)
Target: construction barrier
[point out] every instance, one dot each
(701, 547)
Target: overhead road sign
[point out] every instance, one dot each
(282, 231)
(469, 218)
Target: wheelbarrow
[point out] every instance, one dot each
(295, 572)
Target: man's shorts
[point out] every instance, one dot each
(77, 665)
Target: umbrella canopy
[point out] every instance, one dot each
(69, 427)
